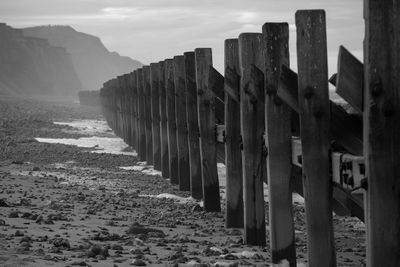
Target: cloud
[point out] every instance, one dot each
(152, 30)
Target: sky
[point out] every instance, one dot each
(153, 30)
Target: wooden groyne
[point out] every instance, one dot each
(271, 125)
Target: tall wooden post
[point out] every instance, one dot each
(120, 107)
(171, 118)
(163, 116)
(382, 130)
(279, 137)
(315, 137)
(196, 184)
(233, 153)
(181, 122)
(208, 145)
(155, 114)
(135, 111)
(147, 96)
(142, 122)
(252, 129)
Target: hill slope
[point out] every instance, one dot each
(93, 62)
(31, 66)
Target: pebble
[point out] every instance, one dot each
(138, 262)
(13, 214)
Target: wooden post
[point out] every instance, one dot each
(252, 129)
(315, 138)
(128, 104)
(196, 185)
(279, 141)
(120, 107)
(147, 96)
(171, 118)
(135, 111)
(382, 131)
(181, 121)
(155, 115)
(142, 122)
(233, 153)
(208, 145)
(163, 116)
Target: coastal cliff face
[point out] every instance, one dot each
(93, 62)
(32, 67)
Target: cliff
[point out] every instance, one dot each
(33, 67)
(93, 63)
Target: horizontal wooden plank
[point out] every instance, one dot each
(346, 129)
(344, 202)
(350, 79)
(231, 81)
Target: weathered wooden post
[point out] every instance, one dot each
(279, 137)
(163, 116)
(233, 153)
(315, 136)
(181, 122)
(129, 108)
(155, 114)
(134, 111)
(252, 129)
(382, 131)
(196, 184)
(127, 104)
(118, 89)
(147, 96)
(120, 107)
(208, 145)
(142, 122)
(171, 118)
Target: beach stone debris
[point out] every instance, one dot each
(136, 251)
(97, 249)
(24, 202)
(60, 242)
(212, 251)
(136, 229)
(197, 208)
(13, 214)
(117, 247)
(3, 203)
(19, 233)
(79, 263)
(29, 216)
(106, 236)
(138, 262)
